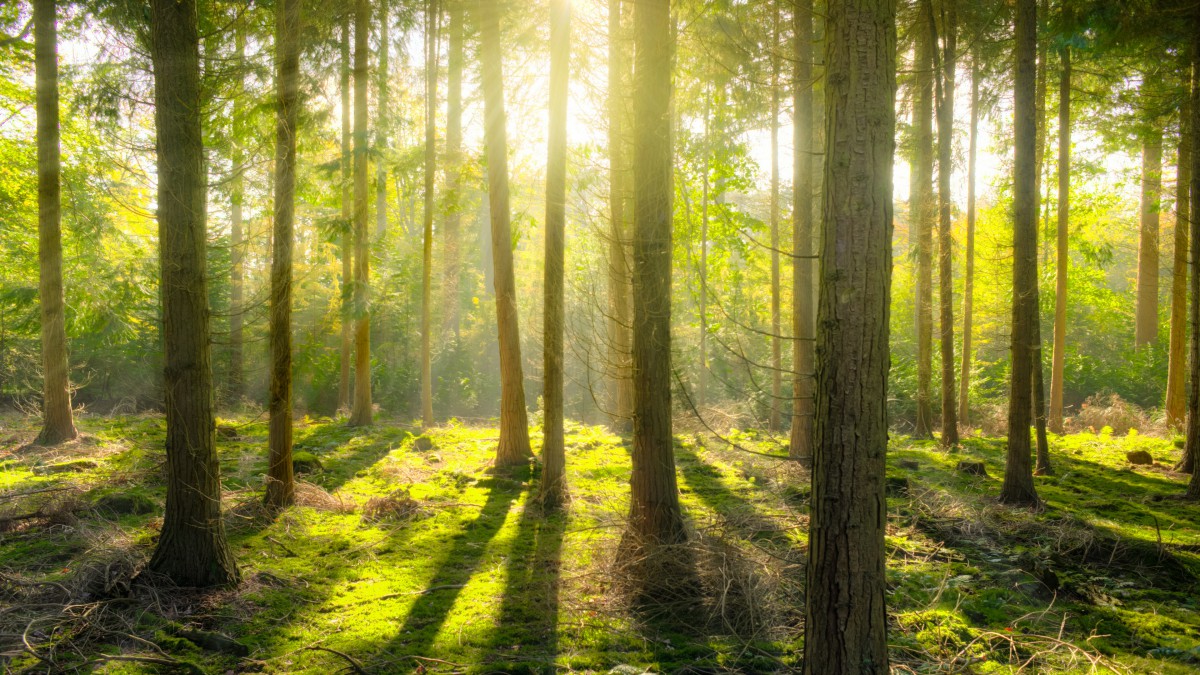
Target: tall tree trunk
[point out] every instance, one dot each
(192, 549)
(655, 516)
(1043, 53)
(964, 382)
(58, 423)
(453, 164)
(432, 19)
(381, 125)
(619, 273)
(923, 215)
(702, 309)
(776, 306)
(281, 486)
(846, 622)
(361, 413)
(800, 447)
(945, 240)
(347, 228)
(1063, 258)
(1192, 447)
(1177, 364)
(237, 244)
(1018, 473)
(553, 485)
(1042, 466)
(1147, 272)
(514, 425)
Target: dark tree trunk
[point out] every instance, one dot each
(774, 422)
(347, 229)
(453, 166)
(1176, 403)
(192, 549)
(655, 516)
(554, 486)
(514, 425)
(922, 216)
(1058, 360)
(1192, 447)
(964, 382)
(800, 447)
(619, 272)
(845, 618)
(361, 412)
(58, 423)
(1147, 271)
(237, 244)
(432, 20)
(945, 222)
(281, 485)
(1018, 473)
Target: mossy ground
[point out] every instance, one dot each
(468, 575)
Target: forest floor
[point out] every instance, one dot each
(406, 554)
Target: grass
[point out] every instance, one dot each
(416, 557)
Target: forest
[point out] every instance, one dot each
(836, 337)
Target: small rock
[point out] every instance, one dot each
(1139, 457)
(910, 464)
(227, 432)
(305, 462)
(423, 444)
(972, 468)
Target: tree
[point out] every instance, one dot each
(1018, 473)
(58, 423)
(553, 486)
(964, 377)
(381, 123)
(1192, 446)
(1146, 319)
(1063, 261)
(846, 623)
(361, 413)
(453, 165)
(347, 229)
(619, 273)
(432, 21)
(237, 244)
(921, 213)
(654, 515)
(1176, 403)
(800, 447)
(514, 430)
(192, 549)
(776, 312)
(281, 485)
(945, 240)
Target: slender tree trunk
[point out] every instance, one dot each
(1063, 257)
(655, 516)
(1147, 273)
(846, 621)
(453, 164)
(381, 125)
(432, 19)
(553, 485)
(281, 486)
(964, 383)
(923, 215)
(58, 423)
(1018, 474)
(1043, 53)
(1192, 447)
(514, 426)
(347, 228)
(192, 549)
(776, 305)
(945, 240)
(1042, 466)
(619, 272)
(361, 412)
(702, 310)
(237, 254)
(800, 447)
(1177, 364)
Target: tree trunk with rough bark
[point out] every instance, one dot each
(192, 549)
(620, 319)
(1146, 320)
(1063, 262)
(945, 222)
(58, 423)
(800, 447)
(1192, 447)
(361, 413)
(514, 426)
(845, 617)
(922, 216)
(1018, 472)
(1176, 403)
(964, 377)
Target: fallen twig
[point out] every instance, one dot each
(349, 659)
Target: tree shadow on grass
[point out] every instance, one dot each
(341, 465)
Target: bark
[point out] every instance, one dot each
(922, 215)
(237, 256)
(361, 413)
(964, 382)
(514, 427)
(347, 229)
(1192, 447)
(800, 447)
(192, 549)
(1176, 403)
(553, 485)
(702, 309)
(1018, 473)
(1063, 261)
(846, 621)
(281, 485)
(776, 305)
(432, 19)
(381, 125)
(655, 516)
(58, 422)
(945, 240)
(1042, 466)
(619, 272)
(1146, 320)
(453, 166)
